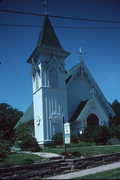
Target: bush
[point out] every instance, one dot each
(74, 138)
(97, 134)
(22, 132)
(114, 131)
(30, 143)
(87, 135)
(101, 134)
(4, 148)
(57, 139)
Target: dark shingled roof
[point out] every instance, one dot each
(48, 37)
(47, 40)
(78, 110)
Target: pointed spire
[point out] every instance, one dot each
(48, 42)
(48, 38)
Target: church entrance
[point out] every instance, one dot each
(92, 120)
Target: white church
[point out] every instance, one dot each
(56, 93)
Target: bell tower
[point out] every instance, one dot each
(49, 87)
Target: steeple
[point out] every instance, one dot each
(48, 41)
(48, 38)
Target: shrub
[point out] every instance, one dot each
(30, 143)
(97, 134)
(101, 134)
(115, 131)
(22, 132)
(4, 148)
(74, 138)
(87, 135)
(57, 139)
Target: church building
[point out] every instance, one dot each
(58, 93)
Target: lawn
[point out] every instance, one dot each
(110, 174)
(86, 150)
(20, 159)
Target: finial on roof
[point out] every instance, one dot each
(81, 53)
(45, 4)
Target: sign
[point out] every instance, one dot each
(67, 133)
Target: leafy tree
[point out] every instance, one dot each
(116, 107)
(8, 119)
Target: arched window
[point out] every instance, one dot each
(92, 120)
(53, 78)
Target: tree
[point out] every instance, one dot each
(8, 119)
(116, 107)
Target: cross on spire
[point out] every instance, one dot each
(81, 53)
(45, 4)
(93, 92)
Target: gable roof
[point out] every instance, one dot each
(27, 116)
(81, 66)
(78, 110)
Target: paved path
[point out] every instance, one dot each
(87, 171)
(43, 154)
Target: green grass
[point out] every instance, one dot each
(20, 159)
(86, 150)
(110, 174)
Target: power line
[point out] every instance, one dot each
(63, 17)
(59, 27)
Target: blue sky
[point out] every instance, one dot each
(101, 46)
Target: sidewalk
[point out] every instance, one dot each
(42, 154)
(87, 171)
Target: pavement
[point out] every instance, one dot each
(87, 171)
(42, 154)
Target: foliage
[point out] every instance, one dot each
(101, 134)
(57, 139)
(4, 148)
(30, 143)
(87, 135)
(8, 118)
(97, 134)
(114, 131)
(22, 132)
(116, 107)
(24, 136)
(73, 137)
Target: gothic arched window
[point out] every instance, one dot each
(53, 78)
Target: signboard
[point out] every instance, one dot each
(67, 133)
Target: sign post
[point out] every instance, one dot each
(66, 134)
